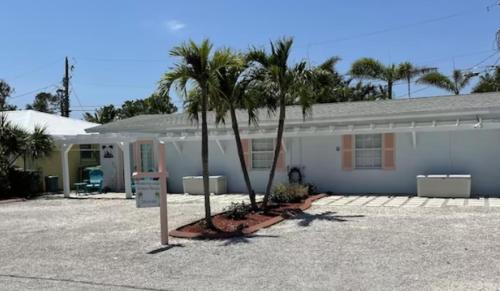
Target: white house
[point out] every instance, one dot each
(358, 147)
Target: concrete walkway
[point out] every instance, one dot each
(405, 201)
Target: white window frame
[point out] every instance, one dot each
(270, 151)
(88, 148)
(150, 155)
(380, 150)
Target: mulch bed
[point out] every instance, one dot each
(253, 222)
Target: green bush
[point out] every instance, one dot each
(25, 183)
(237, 211)
(311, 188)
(289, 193)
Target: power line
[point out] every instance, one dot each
(37, 69)
(34, 91)
(389, 29)
(75, 94)
(94, 59)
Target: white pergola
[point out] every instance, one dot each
(66, 142)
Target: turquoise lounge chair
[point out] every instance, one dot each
(95, 181)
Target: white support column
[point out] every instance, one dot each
(414, 139)
(127, 174)
(65, 168)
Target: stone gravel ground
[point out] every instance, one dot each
(90, 244)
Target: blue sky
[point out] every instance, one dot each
(120, 48)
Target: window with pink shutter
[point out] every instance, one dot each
(347, 152)
(389, 151)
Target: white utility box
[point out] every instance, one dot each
(444, 186)
(194, 184)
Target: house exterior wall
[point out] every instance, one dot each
(474, 152)
(188, 163)
(52, 165)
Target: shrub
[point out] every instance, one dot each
(289, 193)
(237, 211)
(25, 183)
(311, 188)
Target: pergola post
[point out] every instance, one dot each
(65, 168)
(127, 173)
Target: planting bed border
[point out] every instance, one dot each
(246, 231)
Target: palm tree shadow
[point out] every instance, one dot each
(165, 248)
(305, 219)
(245, 239)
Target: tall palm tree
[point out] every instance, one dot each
(453, 84)
(230, 95)
(409, 71)
(282, 84)
(372, 69)
(197, 66)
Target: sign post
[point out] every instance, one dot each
(151, 191)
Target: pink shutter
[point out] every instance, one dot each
(347, 145)
(389, 144)
(245, 143)
(281, 163)
(137, 157)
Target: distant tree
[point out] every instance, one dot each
(488, 82)
(131, 108)
(5, 92)
(368, 68)
(158, 103)
(358, 92)
(409, 71)
(454, 84)
(45, 102)
(154, 104)
(102, 115)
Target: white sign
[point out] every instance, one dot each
(147, 193)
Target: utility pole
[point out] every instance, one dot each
(65, 96)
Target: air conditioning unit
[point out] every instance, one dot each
(194, 184)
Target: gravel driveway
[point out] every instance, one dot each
(70, 244)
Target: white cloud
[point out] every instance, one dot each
(175, 25)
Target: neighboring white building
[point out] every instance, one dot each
(357, 147)
(57, 127)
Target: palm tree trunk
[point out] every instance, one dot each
(409, 91)
(239, 147)
(277, 149)
(204, 155)
(389, 89)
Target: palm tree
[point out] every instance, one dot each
(102, 115)
(488, 82)
(197, 67)
(372, 69)
(453, 84)
(230, 95)
(16, 142)
(409, 71)
(282, 83)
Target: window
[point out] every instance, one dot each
(262, 153)
(147, 162)
(368, 151)
(86, 152)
